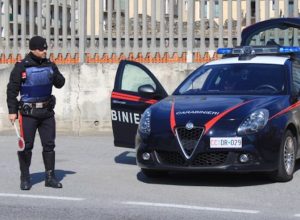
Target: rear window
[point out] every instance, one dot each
(275, 37)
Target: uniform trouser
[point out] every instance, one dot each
(46, 129)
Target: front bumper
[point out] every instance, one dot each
(172, 159)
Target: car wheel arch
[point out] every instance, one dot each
(291, 127)
(281, 174)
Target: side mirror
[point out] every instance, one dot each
(295, 95)
(146, 91)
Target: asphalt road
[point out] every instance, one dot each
(103, 182)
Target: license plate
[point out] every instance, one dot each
(226, 142)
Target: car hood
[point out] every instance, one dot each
(209, 111)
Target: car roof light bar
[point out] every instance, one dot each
(248, 50)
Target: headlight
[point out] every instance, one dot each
(254, 122)
(145, 126)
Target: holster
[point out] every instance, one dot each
(25, 108)
(51, 103)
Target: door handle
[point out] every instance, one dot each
(118, 102)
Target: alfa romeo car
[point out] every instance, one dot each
(236, 114)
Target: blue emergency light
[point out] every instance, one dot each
(224, 51)
(247, 50)
(289, 49)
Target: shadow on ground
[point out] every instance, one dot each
(215, 179)
(40, 177)
(127, 157)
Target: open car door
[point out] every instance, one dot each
(135, 89)
(272, 32)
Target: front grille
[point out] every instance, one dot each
(201, 160)
(210, 159)
(188, 139)
(170, 158)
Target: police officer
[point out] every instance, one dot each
(33, 78)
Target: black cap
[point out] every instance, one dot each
(38, 43)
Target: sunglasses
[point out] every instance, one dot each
(42, 49)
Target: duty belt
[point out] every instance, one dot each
(37, 104)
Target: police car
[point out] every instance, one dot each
(237, 114)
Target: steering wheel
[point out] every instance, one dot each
(266, 86)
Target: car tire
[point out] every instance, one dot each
(154, 173)
(287, 158)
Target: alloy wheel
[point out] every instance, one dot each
(289, 155)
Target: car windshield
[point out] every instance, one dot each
(245, 78)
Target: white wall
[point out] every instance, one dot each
(83, 104)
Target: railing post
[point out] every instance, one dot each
(64, 29)
(15, 27)
(145, 29)
(153, 47)
(56, 29)
(100, 28)
(171, 29)
(127, 39)
(220, 29)
(1, 26)
(239, 23)
(136, 29)
(109, 28)
(179, 31)
(47, 31)
(211, 25)
(296, 14)
(267, 16)
(202, 29)
(229, 27)
(39, 17)
(82, 30)
(73, 35)
(162, 39)
(6, 28)
(23, 28)
(92, 27)
(31, 19)
(190, 30)
(118, 47)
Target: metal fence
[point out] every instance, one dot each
(109, 30)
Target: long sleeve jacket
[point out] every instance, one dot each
(15, 80)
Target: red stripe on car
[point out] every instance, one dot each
(172, 118)
(214, 120)
(295, 105)
(122, 96)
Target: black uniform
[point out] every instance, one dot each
(36, 110)
(34, 118)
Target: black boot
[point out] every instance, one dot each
(25, 161)
(50, 179)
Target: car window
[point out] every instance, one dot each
(236, 79)
(199, 81)
(296, 76)
(134, 77)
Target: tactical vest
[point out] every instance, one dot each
(38, 84)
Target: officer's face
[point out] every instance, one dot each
(40, 53)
